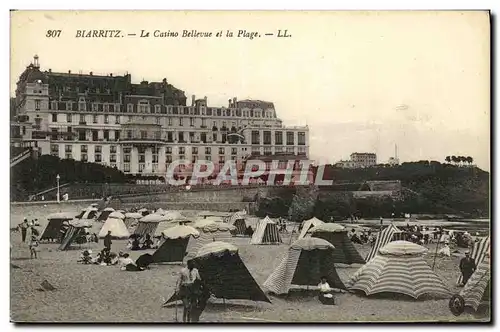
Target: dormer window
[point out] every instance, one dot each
(130, 108)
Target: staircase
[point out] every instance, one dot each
(20, 157)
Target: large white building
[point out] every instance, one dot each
(141, 128)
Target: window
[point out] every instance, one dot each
(69, 106)
(158, 120)
(214, 137)
(278, 138)
(82, 119)
(267, 151)
(106, 134)
(84, 157)
(195, 150)
(83, 148)
(289, 138)
(82, 107)
(289, 150)
(208, 158)
(267, 137)
(301, 138)
(94, 118)
(126, 167)
(129, 118)
(168, 149)
(126, 158)
(106, 107)
(37, 104)
(68, 156)
(144, 134)
(98, 149)
(54, 150)
(106, 119)
(170, 136)
(98, 158)
(191, 122)
(112, 158)
(130, 108)
(68, 148)
(181, 137)
(203, 137)
(69, 118)
(222, 151)
(95, 107)
(82, 135)
(169, 121)
(234, 150)
(181, 122)
(54, 117)
(117, 119)
(208, 151)
(255, 137)
(203, 123)
(302, 150)
(168, 159)
(233, 157)
(117, 135)
(182, 150)
(157, 109)
(222, 159)
(157, 135)
(95, 135)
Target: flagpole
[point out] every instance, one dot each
(435, 254)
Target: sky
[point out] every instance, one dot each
(361, 81)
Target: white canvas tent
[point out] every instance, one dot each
(308, 224)
(117, 228)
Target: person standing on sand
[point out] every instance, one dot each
(24, 229)
(107, 241)
(467, 267)
(381, 221)
(189, 279)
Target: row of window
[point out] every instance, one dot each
(157, 109)
(278, 138)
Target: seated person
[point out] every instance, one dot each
(124, 261)
(136, 245)
(148, 243)
(355, 238)
(325, 292)
(86, 257)
(249, 231)
(445, 251)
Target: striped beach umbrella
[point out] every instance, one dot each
(398, 268)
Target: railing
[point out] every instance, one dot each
(20, 157)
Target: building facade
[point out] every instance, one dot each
(141, 128)
(359, 160)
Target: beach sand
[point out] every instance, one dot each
(91, 293)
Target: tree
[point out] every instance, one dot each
(448, 159)
(454, 159)
(302, 207)
(470, 160)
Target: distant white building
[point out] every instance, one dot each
(359, 160)
(393, 161)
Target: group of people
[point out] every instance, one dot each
(135, 243)
(364, 237)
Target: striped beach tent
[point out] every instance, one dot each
(238, 221)
(105, 213)
(76, 229)
(400, 268)
(305, 263)
(132, 218)
(383, 238)
(153, 225)
(478, 253)
(210, 231)
(336, 234)
(225, 274)
(266, 232)
(53, 229)
(308, 224)
(478, 288)
(174, 245)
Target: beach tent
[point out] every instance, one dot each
(160, 211)
(345, 252)
(399, 267)
(308, 224)
(238, 221)
(153, 225)
(117, 228)
(266, 232)
(77, 228)
(131, 218)
(225, 274)
(105, 213)
(175, 242)
(479, 252)
(88, 213)
(476, 290)
(210, 231)
(306, 261)
(384, 237)
(53, 229)
(174, 216)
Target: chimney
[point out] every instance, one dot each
(234, 101)
(111, 75)
(91, 73)
(69, 71)
(193, 100)
(205, 98)
(229, 103)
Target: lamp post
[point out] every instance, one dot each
(58, 194)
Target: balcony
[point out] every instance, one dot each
(82, 123)
(142, 140)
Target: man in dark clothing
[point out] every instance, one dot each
(467, 267)
(24, 229)
(107, 241)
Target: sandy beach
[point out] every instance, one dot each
(91, 293)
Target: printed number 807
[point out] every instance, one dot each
(53, 33)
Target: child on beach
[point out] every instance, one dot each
(33, 246)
